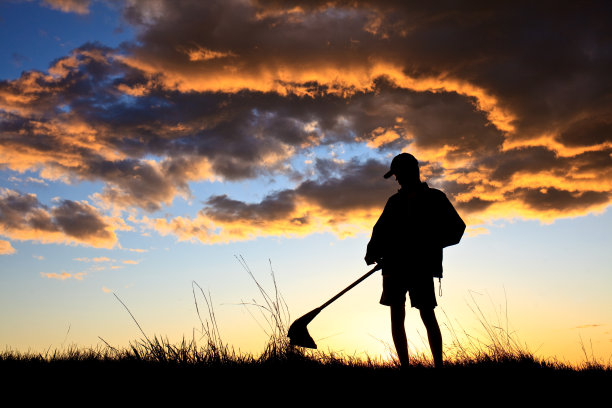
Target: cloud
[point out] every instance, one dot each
(506, 108)
(139, 250)
(69, 6)
(561, 200)
(202, 135)
(36, 180)
(341, 205)
(198, 53)
(106, 290)
(144, 184)
(481, 52)
(347, 199)
(475, 231)
(96, 259)
(64, 275)
(23, 217)
(587, 132)
(6, 248)
(274, 206)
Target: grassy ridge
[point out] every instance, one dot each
(153, 371)
(156, 365)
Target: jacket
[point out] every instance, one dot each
(412, 230)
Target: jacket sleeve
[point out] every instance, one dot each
(376, 245)
(453, 227)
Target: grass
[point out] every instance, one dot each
(470, 363)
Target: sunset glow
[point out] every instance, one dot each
(143, 144)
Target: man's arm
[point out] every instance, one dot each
(375, 249)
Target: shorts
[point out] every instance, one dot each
(420, 290)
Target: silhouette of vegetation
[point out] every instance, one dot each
(206, 358)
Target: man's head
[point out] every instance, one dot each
(405, 167)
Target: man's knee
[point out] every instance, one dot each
(428, 316)
(398, 313)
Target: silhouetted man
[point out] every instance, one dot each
(407, 240)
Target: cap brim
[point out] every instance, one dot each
(388, 174)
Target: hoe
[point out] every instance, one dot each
(298, 332)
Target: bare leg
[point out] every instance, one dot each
(398, 313)
(433, 335)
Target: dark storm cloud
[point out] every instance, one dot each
(546, 62)
(527, 160)
(359, 186)
(474, 204)
(22, 216)
(137, 183)
(225, 32)
(587, 132)
(453, 187)
(272, 207)
(13, 207)
(79, 221)
(598, 162)
(555, 199)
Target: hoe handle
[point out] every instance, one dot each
(351, 286)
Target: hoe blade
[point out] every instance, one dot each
(298, 332)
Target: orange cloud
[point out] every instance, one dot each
(338, 79)
(64, 275)
(381, 137)
(6, 248)
(199, 53)
(69, 6)
(309, 219)
(96, 259)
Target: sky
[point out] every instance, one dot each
(148, 145)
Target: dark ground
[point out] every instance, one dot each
(296, 383)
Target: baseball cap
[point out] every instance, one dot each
(403, 163)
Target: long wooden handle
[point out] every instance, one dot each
(351, 286)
